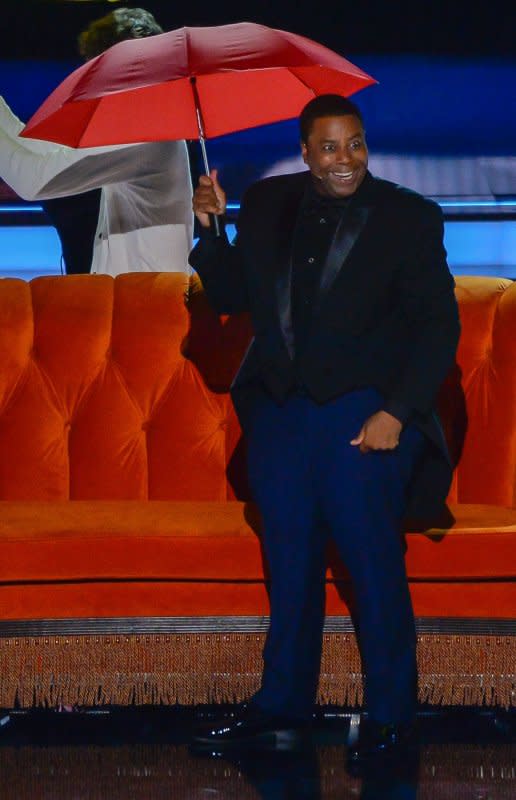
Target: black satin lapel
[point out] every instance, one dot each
(283, 274)
(284, 302)
(348, 230)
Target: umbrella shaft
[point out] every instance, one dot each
(200, 122)
(202, 142)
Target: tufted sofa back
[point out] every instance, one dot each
(113, 389)
(97, 400)
(479, 415)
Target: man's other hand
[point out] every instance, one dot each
(208, 198)
(379, 432)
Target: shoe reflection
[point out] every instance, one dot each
(275, 774)
(395, 779)
(316, 773)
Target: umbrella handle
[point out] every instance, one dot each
(214, 220)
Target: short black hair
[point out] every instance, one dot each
(326, 105)
(120, 24)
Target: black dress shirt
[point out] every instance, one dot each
(317, 221)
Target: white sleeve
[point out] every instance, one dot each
(12, 126)
(29, 166)
(9, 122)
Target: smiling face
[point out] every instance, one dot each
(336, 154)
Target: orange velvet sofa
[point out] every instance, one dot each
(131, 567)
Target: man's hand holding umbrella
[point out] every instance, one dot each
(209, 198)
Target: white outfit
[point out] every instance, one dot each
(145, 219)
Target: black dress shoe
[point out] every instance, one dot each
(251, 727)
(378, 741)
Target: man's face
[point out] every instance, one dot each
(336, 154)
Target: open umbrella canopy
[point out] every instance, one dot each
(234, 76)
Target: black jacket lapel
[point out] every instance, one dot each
(283, 275)
(346, 234)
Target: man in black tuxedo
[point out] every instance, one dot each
(355, 326)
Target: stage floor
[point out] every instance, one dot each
(123, 753)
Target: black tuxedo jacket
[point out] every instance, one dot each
(384, 315)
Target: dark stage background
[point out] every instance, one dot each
(46, 28)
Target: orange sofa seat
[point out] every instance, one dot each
(174, 542)
(124, 558)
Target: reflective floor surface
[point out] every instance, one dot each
(464, 754)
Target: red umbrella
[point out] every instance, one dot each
(192, 83)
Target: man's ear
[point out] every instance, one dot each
(304, 152)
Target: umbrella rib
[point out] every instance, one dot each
(301, 80)
(88, 121)
(187, 50)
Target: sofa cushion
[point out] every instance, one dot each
(97, 540)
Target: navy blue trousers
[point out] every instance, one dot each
(310, 483)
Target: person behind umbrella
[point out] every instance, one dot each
(355, 326)
(133, 212)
